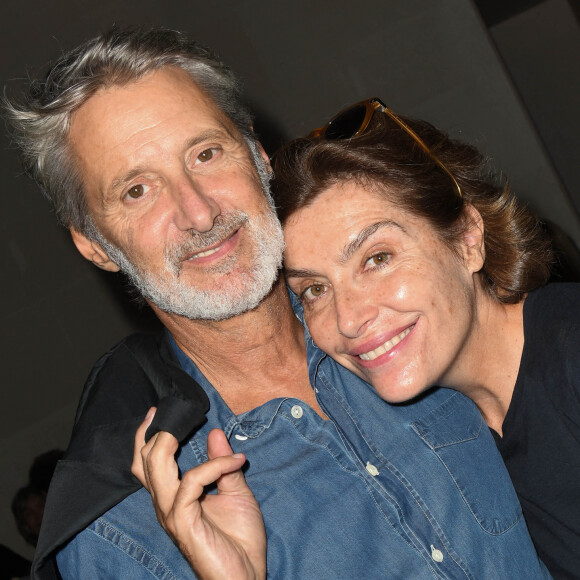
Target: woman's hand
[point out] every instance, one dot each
(223, 535)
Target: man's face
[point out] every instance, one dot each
(175, 196)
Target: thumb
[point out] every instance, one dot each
(218, 444)
(233, 483)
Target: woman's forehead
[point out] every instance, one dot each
(346, 203)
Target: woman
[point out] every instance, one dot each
(415, 269)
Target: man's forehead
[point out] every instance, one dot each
(168, 84)
(120, 119)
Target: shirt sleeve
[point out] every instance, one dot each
(103, 552)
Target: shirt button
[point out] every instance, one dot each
(436, 554)
(371, 469)
(297, 411)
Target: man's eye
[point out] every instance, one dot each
(206, 155)
(137, 191)
(378, 259)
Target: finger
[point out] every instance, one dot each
(137, 465)
(195, 480)
(161, 470)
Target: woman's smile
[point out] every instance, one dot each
(386, 347)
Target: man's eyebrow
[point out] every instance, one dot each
(126, 177)
(207, 135)
(363, 235)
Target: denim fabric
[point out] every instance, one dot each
(415, 491)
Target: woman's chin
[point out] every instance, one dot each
(395, 394)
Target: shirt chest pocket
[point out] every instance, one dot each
(458, 435)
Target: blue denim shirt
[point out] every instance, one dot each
(378, 491)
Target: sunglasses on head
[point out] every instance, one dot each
(355, 119)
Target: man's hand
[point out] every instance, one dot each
(223, 535)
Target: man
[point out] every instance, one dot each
(141, 141)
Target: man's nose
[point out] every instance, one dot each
(195, 207)
(354, 312)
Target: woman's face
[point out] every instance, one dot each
(382, 294)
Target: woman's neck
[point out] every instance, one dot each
(492, 361)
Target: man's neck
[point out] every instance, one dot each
(250, 358)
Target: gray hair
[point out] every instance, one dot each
(41, 122)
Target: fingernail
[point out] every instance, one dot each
(238, 455)
(150, 413)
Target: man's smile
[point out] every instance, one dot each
(222, 245)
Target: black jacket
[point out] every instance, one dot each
(95, 474)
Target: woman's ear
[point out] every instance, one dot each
(473, 243)
(93, 252)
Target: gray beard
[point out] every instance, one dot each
(239, 293)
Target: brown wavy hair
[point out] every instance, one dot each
(518, 253)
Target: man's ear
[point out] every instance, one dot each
(473, 244)
(93, 252)
(266, 160)
(264, 154)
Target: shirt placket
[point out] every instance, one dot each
(399, 502)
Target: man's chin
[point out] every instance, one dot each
(232, 297)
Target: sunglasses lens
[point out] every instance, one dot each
(347, 124)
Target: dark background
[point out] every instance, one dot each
(501, 74)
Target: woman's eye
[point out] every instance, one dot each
(137, 191)
(313, 292)
(378, 259)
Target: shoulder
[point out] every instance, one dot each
(552, 316)
(139, 372)
(124, 376)
(557, 299)
(552, 339)
(120, 389)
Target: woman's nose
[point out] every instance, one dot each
(354, 313)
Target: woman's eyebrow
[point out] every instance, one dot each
(299, 273)
(352, 246)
